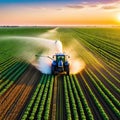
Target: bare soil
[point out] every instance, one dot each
(13, 100)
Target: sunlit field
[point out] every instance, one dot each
(90, 92)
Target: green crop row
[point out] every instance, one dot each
(91, 44)
(7, 65)
(6, 74)
(12, 78)
(67, 101)
(2, 63)
(105, 45)
(105, 97)
(102, 50)
(29, 107)
(75, 82)
(75, 100)
(108, 34)
(23, 30)
(44, 99)
(96, 102)
(107, 92)
(49, 100)
(101, 39)
(109, 82)
(78, 101)
(38, 100)
(73, 103)
(40, 104)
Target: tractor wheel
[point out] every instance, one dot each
(53, 70)
(68, 72)
(67, 69)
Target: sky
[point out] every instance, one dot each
(63, 12)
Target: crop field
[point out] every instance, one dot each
(92, 93)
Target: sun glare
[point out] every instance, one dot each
(118, 17)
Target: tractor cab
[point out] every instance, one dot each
(60, 57)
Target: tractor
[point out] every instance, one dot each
(60, 64)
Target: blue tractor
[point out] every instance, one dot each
(60, 64)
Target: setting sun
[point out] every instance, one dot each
(118, 17)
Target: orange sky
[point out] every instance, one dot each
(71, 14)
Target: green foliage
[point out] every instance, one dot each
(74, 81)
(9, 76)
(31, 31)
(105, 97)
(67, 101)
(40, 104)
(97, 103)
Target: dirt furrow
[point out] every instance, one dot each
(91, 104)
(60, 106)
(20, 102)
(10, 99)
(107, 109)
(102, 79)
(9, 91)
(15, 99)
(108, 76)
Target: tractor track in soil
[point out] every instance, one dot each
(91, 104)
(60, 115)
(102, 79)
(109, 112)
(14, 99)
(58, 109)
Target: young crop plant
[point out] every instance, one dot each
(105, 97)
(87, 109)
(97, 103)
(12, 77)
(107, 92)
(67, 101)
(32, 100)
(79, 104)
(38, 99)
(41, 108)
(49, 100)
(109, 82)
(73, 103)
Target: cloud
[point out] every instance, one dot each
(102, 1)
(59, 9)
(92, 5)
(75, 6)
(109, 7)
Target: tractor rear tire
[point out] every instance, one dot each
(53, 70)
(67, 70)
